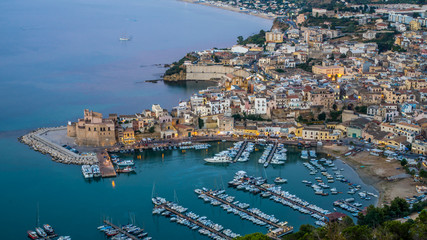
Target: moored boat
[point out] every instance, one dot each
(32, 234)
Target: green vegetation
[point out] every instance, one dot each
(306, 66)
(361, 109)
(151, 129)
(258, 39)
(176, 66)
(279, 70)
(253, 117)
(403, 162)
(385, 41)
(376, 224)
(345, 24)
(335, 116)
(254, 236)
(201, 123)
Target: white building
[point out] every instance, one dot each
(260, 105)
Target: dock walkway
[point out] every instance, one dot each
(105, 165)
(286, 229)
(195, 222)
(288, 199)
(270, 156)
(242, 148)
(120, 230)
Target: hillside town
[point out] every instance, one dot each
(297, 82)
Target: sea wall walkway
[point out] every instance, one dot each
(40, 143)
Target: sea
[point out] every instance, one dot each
(60, 57)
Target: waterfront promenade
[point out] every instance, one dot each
(105, 165)
(39, 141)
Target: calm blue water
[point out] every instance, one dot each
(59, 57)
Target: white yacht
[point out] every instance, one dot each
(304, 154)
(87, 171)
(219, 159)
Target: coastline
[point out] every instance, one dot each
(228, 8)
(374, 171)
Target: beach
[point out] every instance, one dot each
(230, 8)
(374, 171)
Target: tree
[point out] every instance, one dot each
(240, 40)
(254, 236)
(322, 116)
(151, 129)
(201, 123)
(335, 107)
(403, 162)
(358, 232)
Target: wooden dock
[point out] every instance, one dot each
(270, 156)
(105, 165)
(286, 229)
(242, 148)
(195, 222)
(121, 230)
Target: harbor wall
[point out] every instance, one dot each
(196, 72)
(38, 142)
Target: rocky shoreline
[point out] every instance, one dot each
(36, 141)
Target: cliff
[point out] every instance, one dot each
(181, 76)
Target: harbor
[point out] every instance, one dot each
(258, 185)
(129, 231)
(191, 220)
(228, 203)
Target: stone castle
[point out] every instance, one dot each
(93, 130)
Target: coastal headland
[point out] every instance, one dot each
(230, 8)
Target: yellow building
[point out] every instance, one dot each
(328, 70)
(274, 36)
(313, 133)
(128, 136)
(419, 147)
(415, 25)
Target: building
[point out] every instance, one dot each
(260, 105)
(419, 147)
(414, 25)
(274, 36)
(93, 130)
(328, 70)
(128, 136)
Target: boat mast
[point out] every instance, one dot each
(37, 216)
(175, 197)
(153, 190)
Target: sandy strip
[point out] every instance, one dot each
(374, 172)
(229, 8)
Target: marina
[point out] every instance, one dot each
(242, 148)
(256, 185)
(242, 209)
(126, 232)
(180, 215)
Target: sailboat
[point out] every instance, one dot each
(124, 38)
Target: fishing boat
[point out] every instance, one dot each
(87, 171)
(32, 234)
(125, 163)
(127, 169)
(304, 154)
(96, 172)
(313, 154)
(48, 229)
(41, 232)
(280, 180)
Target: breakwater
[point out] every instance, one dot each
(38, 142)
